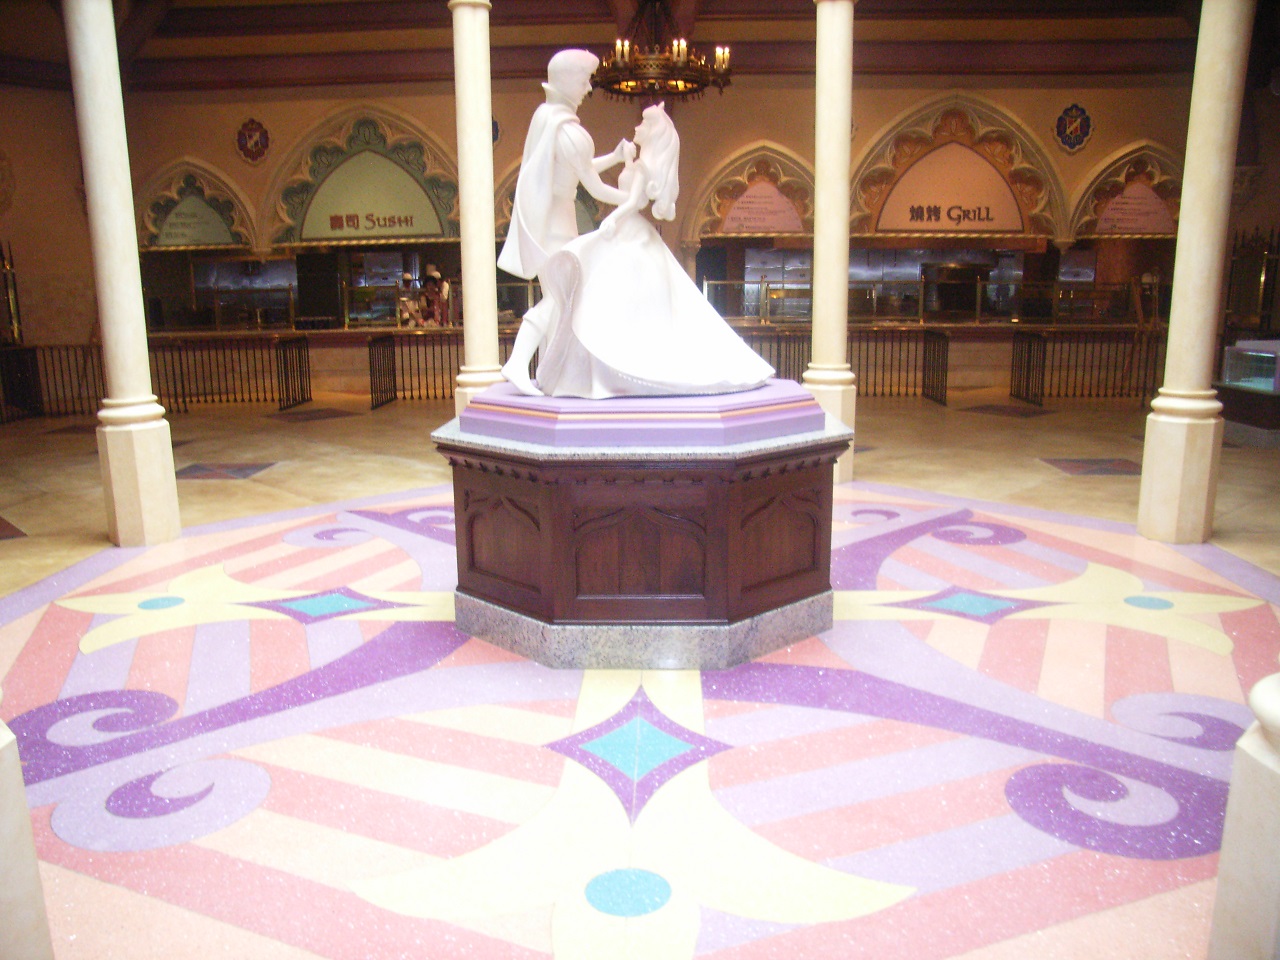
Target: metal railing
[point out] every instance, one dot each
(935, 366)
(889, 361)
(382, 370)
(1094, 364)
(50, 381)
(293, 372)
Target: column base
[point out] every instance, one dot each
(139, 482)
(1180, 470)
(471, 381)
(837, 394)
(24, 925)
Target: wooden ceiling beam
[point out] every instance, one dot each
(1066, 58)
(143, 19)
(347, 16)
(953, 9)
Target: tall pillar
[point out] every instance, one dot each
(134, 446)
(24, 924)
(829, 377)
(1246, 913)
(1184, 431)
(471, 78)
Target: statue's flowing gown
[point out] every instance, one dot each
(623, 318)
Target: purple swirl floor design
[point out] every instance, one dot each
(1026, 717)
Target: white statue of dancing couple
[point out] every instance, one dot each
(619, 315)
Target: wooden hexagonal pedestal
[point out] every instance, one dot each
(600, 549)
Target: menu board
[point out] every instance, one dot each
(193, 223)
(1137, 210)
(762, 209)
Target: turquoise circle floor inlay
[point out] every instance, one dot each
(160, 603)
(1149, 603)
(628, 893)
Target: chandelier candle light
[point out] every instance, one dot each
(646, 64)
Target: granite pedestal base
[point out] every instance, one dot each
(599, 547)
(644, 646)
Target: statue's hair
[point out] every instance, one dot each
(569, 63)
(660, 160)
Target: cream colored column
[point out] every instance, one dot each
(829, 377)
(471, 78)
(24, 925)
(134, 446)
(1184, 431)
(1246, 914)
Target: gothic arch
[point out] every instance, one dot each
(1148, 169)
(189, 205)
(372, 135)
(762, 164)
(984, 129)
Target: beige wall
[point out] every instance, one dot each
(46, 224)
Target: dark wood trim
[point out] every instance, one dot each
(1068, 58)
(991, 58)
(391, 15)
(21, 72)
(143, 21)
(952, 9)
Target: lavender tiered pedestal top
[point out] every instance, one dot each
(644, 532)
(779, 409)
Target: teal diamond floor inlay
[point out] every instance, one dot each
(970, 604)
(328, 605)
(637, 747)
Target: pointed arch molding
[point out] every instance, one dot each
(993, 137)
(189, 206)
(763, 169)
(366, 176)
(1136, 193)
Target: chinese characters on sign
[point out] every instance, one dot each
(957, 214)
(352, 221)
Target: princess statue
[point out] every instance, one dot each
(619, 315)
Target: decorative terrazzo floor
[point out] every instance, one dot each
(268, 740)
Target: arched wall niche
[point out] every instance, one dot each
(190, 206)
(1134, 193)
(365, 176)
(995, 146)
(763, 190)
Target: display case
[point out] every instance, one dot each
(1250, 393)
(1251, 365)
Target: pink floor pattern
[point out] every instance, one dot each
(1020, 726)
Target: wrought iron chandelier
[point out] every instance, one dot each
(651, 62)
